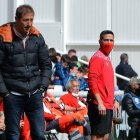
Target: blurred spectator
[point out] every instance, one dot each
(85, 71)
(67, 73)
(82, 81)
(58, 56)
(52, 54)
(131, 104)
(125, 69)
(73, 69)
(85, 58)
(52, 51)
(71, 52)
(74, 59)
(61, 71)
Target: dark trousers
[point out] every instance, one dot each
(33, 107)
(2, 136)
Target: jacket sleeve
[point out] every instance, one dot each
(3, 89)
(95, 68)
(128, 106)
(133, 73)
(60, 71)
(44, 63)
(49, 117)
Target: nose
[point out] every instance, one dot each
(109, 41)
(29, 23)
(77, 87)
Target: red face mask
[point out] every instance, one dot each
(106, 47)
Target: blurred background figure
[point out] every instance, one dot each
(131, 104)
(73, 56)
(74, 60)
(58, 56)
(61, 72)
(82, 80)
(125, 69)
(71, 52)
(85, 58)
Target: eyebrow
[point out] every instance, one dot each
(108, 39)
(75, 85)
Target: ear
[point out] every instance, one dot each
(16, 18)
(100, 42)
(70, 70)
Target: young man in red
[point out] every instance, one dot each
(101, 85)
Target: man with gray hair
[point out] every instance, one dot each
(73, 99)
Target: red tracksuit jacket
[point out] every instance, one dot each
(101, 79)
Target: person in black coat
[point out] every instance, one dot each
(25, 72)
(126, 70)
(131, 104)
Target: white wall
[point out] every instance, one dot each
(6, 11)
(87, 18)
(126, 21)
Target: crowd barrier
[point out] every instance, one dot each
(119, 131)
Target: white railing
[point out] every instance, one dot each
(58, 93)
(87, 63)
(116, 74)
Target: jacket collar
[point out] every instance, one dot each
(6, 32)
